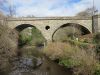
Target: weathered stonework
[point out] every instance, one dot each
(53, 22)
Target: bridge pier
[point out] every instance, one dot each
(95, 24)
(98, 24)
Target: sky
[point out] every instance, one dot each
(44, 8)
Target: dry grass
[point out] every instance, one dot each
(55, 50)
(8, 47)
(87, 60)
(82, 61)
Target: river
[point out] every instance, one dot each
(30, 64)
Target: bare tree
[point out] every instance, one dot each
(8, 6)
(2, 15)
(88, 12)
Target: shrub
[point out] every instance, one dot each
(98, 48)
(25, 37)
(37, 37)
(87, 62)
(79, 44)
(8, 47)
(96, 41)
(30, 37)
(80, 60)
(97, 71)
(55, 50)
(96, 38)
(13, 35)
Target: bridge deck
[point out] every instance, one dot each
(51, 18)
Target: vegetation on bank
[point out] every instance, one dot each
(80, 60)
(31, 37)
(82, 55)
(8, 47)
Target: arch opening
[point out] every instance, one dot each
(21, 27)
(29, 35)
(71, 30)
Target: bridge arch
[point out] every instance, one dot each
(83, 29)
(23, 26)
(37, 33)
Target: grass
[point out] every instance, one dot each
(8, 47)
(80, 60)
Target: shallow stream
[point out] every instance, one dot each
(30, 64)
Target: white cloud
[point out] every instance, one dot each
(42, 8)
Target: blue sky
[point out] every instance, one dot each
(42, 8)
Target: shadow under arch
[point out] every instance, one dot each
(21, 27)
(84, 30)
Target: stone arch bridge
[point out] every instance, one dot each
(48, 25)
